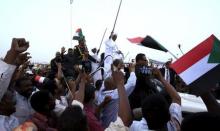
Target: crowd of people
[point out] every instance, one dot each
(81, 92)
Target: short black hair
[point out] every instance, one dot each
(50, 85)
(89, 93)
(70, 49)
(155, 110)
(73, 119)
(139, 57)
(40, 101)
(201, 121)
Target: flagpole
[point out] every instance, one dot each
(116, 16)
(172, 54)
(71, 21)
(179, 46)
(102, 40)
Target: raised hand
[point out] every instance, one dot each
(157, 74)
(22, 58)
(63, 50)
(19, 45)
(131, 67)
(59, 65)
(118, 78)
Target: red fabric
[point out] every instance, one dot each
(37, 78)
(94, 124)
(78, 30)
(193, 55)
(136, 40)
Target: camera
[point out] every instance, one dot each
(144, 71)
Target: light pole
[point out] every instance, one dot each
(71, 31)
(179, 46)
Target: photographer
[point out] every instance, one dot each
(144, 83)
(68, 63)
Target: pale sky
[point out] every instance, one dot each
(46, 24)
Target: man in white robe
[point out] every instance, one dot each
(111, 49)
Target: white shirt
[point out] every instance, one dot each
(8, 123)
(139, 125)
(6, 72)
(172, 125)
(60, 105)
(98, 74)
(118, 125)
(129, 87)
(23, 108)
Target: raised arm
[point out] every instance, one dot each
(124, 106)
(81, 92)
(18, 46)
(130, 85)
(168, 87)
(59, 71)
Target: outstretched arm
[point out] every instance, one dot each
(124, 106)
(168, 87)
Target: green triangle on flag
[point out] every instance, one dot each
(215, 53)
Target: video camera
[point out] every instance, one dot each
(144, 71)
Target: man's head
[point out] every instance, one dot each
(50, 85)
(114, 37)
(7, 104)
(86, 53)
(118, 63)
(167, 64)
(57, 54)
(94, 50)
(73, 119)
(24, 86)
(82, 42)
(109, 84)
(42, 102)
(155, 110)
(58, 57)
(141, 59)
(70, 51)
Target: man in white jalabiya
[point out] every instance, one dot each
(112, 51)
